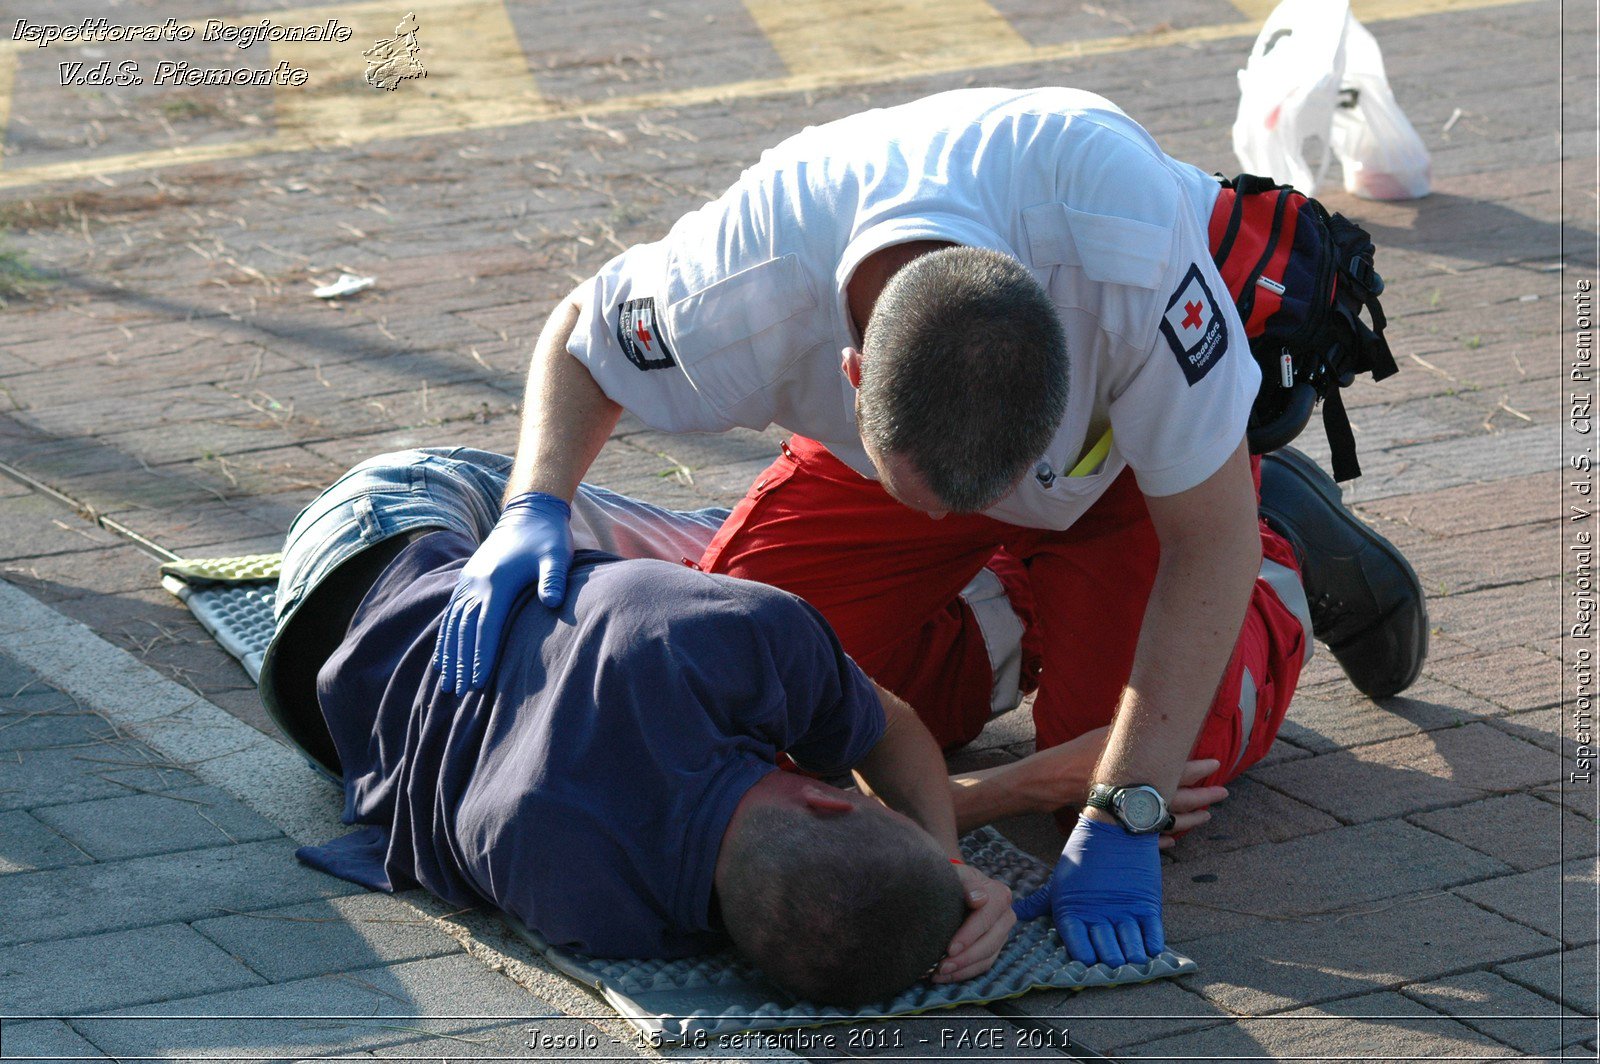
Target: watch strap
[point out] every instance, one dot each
(1100, 796)
(1104, 796)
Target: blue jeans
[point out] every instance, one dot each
(461, 488)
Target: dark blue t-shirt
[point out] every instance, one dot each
(587, 789)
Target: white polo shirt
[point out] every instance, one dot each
(738, 316)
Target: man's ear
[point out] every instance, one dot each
(850, 366)
(825, 802)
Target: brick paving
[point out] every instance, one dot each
(131, 890)
(1405, 879)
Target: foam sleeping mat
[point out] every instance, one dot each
(690, 999)
(232, 598)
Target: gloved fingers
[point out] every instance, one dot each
(1155, 934)
(553, 579)
(466, 650)
(441, 644)
(1106, 947)
(449, 649)
(1131, 939)
(484, 646)
(458, 648)
(1034, 905)
(1075, 936)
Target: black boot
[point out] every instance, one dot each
(1366, 602)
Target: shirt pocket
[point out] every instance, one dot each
(737, 337)
(1109, 250)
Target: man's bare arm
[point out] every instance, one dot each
(1210, 556)
(1046, 781)
(566, 417)
(906, 770)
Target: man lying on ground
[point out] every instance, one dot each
(615, 785)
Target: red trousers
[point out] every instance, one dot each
(888, 578)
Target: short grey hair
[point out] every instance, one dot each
(963, 373)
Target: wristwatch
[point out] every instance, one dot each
(1138, 807)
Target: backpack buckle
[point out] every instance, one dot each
(1366, 276)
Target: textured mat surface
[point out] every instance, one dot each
(232, 598)
(245, 569)
(682, 1000)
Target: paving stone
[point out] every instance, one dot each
(1336, 716)
(16, 678)
(140, 825)
(1253, 814)
(77, 976)
(1515, 678)
(1274, 965)
(106, 570)
(1280, 751)
(32, 778)
(337, 934)
(1560, 900)
(1476, 507)
(401, 998)
(1504, 1011)
(26, 845)
(137, 620)
(203, 666)
(35, 525)
(1008, 729)
(1578, 797)
(1384, 1026)
(1497, 617)
(39, 906)
(1550, 728)
(46, 1040)
(1519, 829)
(1487, 559)
(47, 718)
(1111, 1018)
(1438, 768)
(1567, 977)
(1328, 872)
(244, 703)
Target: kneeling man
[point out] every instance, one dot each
(615, 786)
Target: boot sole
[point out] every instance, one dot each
(1311, 474)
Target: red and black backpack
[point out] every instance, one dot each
(1300, 278)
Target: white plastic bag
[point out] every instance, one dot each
(1289, 90)
(1382, 155)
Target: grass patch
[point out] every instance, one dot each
(17, 276)
(186, 107)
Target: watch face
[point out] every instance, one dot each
(1140, 808)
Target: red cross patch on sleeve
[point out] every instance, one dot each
(641, 337)
(1194, 327)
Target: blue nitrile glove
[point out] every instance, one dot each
(1105, 895)
(532, 541)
